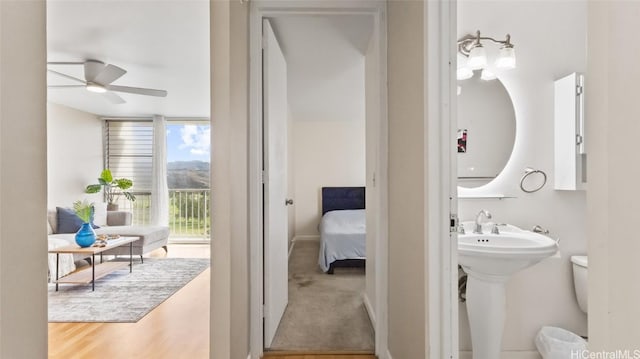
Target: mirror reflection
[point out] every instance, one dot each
(486, 130)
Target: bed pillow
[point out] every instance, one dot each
(68, 222)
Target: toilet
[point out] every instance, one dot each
(580, 283)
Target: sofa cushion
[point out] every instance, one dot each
(66, 262)
(148, 234)
(68, 221)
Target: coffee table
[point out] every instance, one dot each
(97, 271)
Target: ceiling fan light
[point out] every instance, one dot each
(477, 58)
(96, 88)
(507, 58)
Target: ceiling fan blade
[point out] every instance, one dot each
(92, 69)
(137, 90)
(114, 98)
(65, 86)
(66, 76)
(109, 74)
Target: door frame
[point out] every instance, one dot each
(442, 201)
(258, 10)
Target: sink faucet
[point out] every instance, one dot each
(478, 228)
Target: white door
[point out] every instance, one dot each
(274, 70)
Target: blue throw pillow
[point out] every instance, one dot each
(68, 221)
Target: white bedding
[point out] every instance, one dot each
(342, 236)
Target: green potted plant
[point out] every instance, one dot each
(113, 187)
(85, 236)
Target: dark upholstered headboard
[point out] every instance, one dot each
(334, 198)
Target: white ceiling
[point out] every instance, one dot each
(325, 65)
(162, 45)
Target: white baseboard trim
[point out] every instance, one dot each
(369, 308)
(508, 355)
(306, 237)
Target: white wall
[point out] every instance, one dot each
(408, 148)
(613, 196)
(229, 316)
(74, 154)
(326, 153)
(23, 180)
(550, 42)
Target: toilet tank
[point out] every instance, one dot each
(580, 282)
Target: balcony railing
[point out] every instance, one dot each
(188, 212)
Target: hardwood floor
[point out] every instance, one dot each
(177, 328)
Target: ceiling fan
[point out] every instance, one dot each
(98, 77)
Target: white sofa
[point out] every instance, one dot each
(118, 222)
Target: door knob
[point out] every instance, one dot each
(288, 202)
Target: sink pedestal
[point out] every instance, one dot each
(486, 303)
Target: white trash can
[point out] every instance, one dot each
(557, 343)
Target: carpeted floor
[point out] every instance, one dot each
(121, 296)
(325, 312)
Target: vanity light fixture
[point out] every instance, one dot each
(471, 47)
(464, 72)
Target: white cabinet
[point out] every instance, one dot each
(570, 165)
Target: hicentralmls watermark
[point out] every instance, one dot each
(615, 354)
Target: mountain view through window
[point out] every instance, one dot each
(188, 153)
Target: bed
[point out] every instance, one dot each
(342, 228)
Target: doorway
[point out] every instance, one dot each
(315, 170)
(372, 176)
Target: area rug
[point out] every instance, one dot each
(325, 312)
(123, 297)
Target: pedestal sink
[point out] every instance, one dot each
(489, 260)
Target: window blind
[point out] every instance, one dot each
(128, 151)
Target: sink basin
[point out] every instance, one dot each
(489, 261)
(502, 254)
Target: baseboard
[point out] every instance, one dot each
(507, 355)
(369, 308)
(388, 355)
(306, 237)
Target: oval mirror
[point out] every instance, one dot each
(486, 130)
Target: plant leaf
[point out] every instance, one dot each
(129, 196)
(124, 183)
(93, 188)
(106, 175)
(83, 210)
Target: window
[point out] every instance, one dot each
(128, 148)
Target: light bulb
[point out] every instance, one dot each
(464, 73)
(477, 58)
(507, 58)
(487, 75)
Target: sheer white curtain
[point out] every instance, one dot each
(159, 187)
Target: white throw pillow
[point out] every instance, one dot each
(100, 214)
